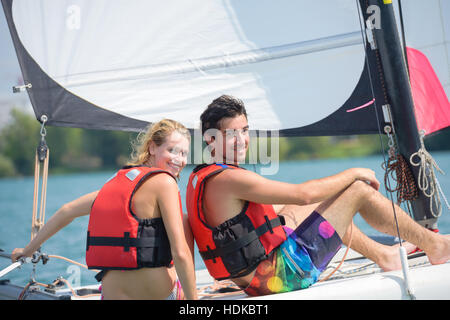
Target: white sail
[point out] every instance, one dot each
(427, 28)
(151, 59)
(122, 64)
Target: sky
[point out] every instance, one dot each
(10, 75)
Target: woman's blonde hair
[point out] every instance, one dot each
(156, 132)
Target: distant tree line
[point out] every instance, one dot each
(76, 150)
(71, 149)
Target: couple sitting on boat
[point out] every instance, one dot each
(264, 235)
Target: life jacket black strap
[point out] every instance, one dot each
(244, 240)
(124, 241)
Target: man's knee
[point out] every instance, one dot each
(294, 215)
(360, 190)
(278, 208)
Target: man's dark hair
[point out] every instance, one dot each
(223, 107)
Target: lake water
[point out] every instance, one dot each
(16, 199)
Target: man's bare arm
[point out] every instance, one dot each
(247, 185)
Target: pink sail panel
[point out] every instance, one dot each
(432, 107)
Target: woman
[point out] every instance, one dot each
(136, 225)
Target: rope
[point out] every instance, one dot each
(75, 294)
(38, 222)
(427, 180)
(72, 261)
(343, 258)
(406, 187)
(42, 157)
(25, 290)
(391, 137)
(225, 285)
(217, 286)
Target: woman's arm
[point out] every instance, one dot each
(65, 215)
(189, 236)
(247, 185)
(181, 242)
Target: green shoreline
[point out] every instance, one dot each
(74, 150)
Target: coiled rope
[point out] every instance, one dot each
(397, 168)
(427, 180)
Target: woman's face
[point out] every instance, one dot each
(172, 154)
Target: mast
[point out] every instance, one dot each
(392, 68)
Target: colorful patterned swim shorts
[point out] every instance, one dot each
(299, 261)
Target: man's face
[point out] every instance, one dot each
(231, 141)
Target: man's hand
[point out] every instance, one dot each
(367, 175)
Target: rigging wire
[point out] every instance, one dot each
(403, 35)
(402, 250)
(426, 162)
(359, 9)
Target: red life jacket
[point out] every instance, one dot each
(237, 246)
(116, 238)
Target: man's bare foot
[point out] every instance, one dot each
(440, 251)
(390, 259)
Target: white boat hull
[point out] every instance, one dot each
(427, 282)
(359, 279)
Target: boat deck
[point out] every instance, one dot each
(357, 278)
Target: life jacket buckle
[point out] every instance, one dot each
(282, 220)
(208, 249)
(87, 240)
(126, 241)
(268, 223)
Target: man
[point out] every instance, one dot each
(237, 215)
